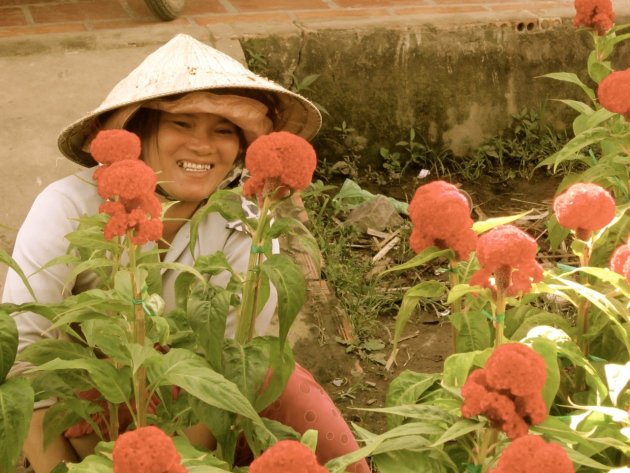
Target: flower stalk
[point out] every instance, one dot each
(251, 288)
(140, 376)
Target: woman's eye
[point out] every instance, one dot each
(226, 131)
(181, 124)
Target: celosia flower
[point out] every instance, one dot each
(531, 453)
(596, 14)
(510, 254)
(440, 215)
(129, 184)
(613, 92)
(146, 450)
(279, 159)
(517, 368)
(110, 146)
(584, 207)
(287, 456)
(508, 390)
(126, 179)
(619, 262)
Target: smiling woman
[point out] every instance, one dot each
(196, 111)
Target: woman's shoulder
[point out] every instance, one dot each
(77, 191)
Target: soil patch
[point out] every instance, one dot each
(352, 378)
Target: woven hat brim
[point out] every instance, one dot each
(202, 68)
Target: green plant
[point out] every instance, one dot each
(518, 151)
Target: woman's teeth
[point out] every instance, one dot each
(188, 166)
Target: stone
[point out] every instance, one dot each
(377, 213)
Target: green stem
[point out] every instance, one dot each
(456, 306)
(499, 316)
(488, 443)
(140, 377)
(251, 288)
(582, 321)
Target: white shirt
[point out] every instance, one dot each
(41, 238)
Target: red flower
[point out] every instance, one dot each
(619, 262)
(440, 215)
(517, 368)
(614, 92)
(510, 254)
(131, 185)
(596, 14)
(287, 456)
(508, 390)
(110, 146)
(279, 159)
(584, 207)
(146, 450)
(531, 453)
(126, 179)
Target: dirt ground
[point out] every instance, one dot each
(355, 382)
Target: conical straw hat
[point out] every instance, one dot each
(182, 65)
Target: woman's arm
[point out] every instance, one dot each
(44, 460)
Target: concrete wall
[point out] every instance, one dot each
(457, 85)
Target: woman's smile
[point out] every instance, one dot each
(194, 153)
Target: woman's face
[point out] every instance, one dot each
(194, 153)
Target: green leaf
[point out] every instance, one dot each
(207, 313)
(281, 365)
(572, 79)
(457, 430)
(424, 290)
(227, 202)
(185, 369)
(91, 464)
(483, 226)
(547, 349)
(16, 408)
(8, 343)
(473, 331)
(197, 460)
(11, 263)
(458, 366)
(65, 414)
(540, 317)
(108, 335)
(408, 387)
(571, 150)
(579, 107)
(617, 377)
(246, 366)
(114, 384)
(47, 350)
(425, 256)
(288, 279)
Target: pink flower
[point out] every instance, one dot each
(596, 14)
(508, 390)
(614, 93)
(287, 456)
(584, 207)
(510, 254)
(619, 262)
(531, 454)
(279, 159)
(111, 146)
(440, 215)
(146, 450)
